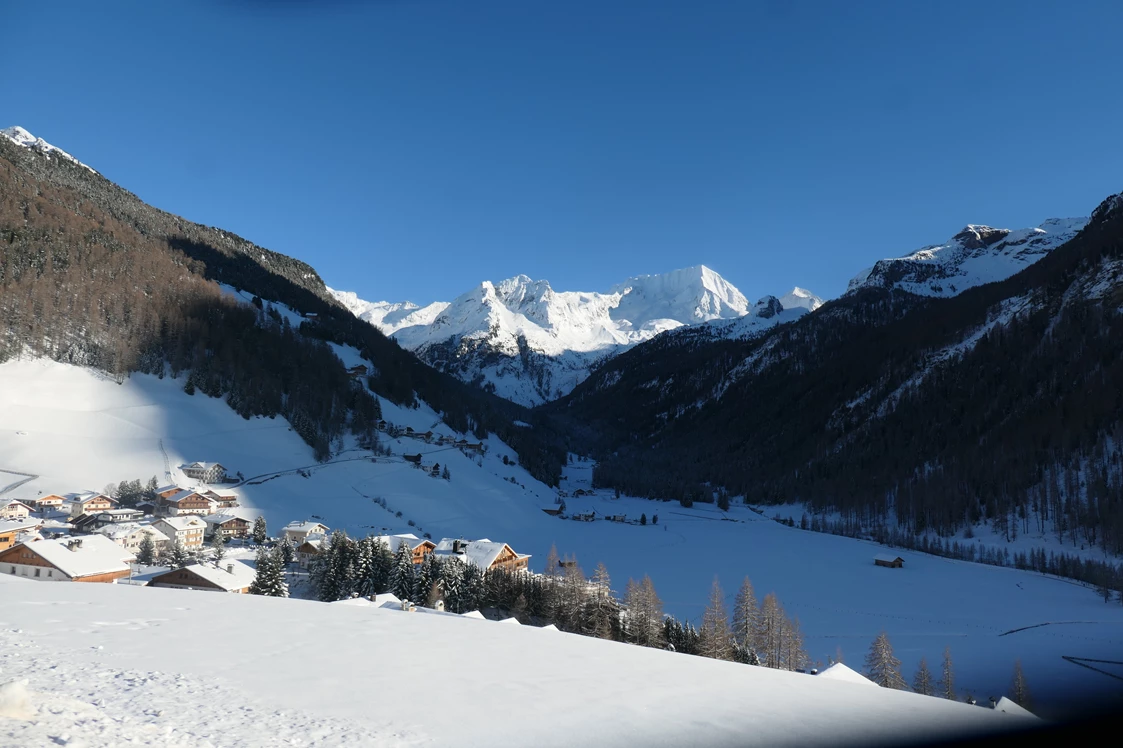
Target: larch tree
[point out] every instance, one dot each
(746, 621)
(945, 687)
(884, 669)
(770, 631)
(922, 682)
(601, 611)
(1019, 689)
(714, 638)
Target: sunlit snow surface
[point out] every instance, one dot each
(78, 430)
(114, 664)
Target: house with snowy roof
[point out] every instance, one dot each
(233, 576)
(88, 503)
(227, 526)
(89, 559)
(130, 535)
(13, 509)
(13, 531)
(420, 547)
(308, 550)
(207, 472)
(188, 530)
(47, 503)
(485, 554)
(187, 501)
(222, 499)
(298, 531)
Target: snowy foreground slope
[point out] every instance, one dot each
(110, 664)
(75, 430)
(531, 343)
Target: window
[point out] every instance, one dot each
(13, 570)
(37, 572)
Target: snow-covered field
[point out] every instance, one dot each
(114, 664)
(77, 430)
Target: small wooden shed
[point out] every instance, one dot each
(889, 560)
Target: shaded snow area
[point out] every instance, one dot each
(973, 257)
(74, 430)
(113, 664)
(490, 327)
(22, 137)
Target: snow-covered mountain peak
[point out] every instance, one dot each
(800, 298)
(690, 295)
(976, 255)
(532, 343)
(22, 137)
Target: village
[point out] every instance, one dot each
(193, 538)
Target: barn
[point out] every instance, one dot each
(889, 560)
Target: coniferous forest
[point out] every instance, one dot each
(91, 275)
(1001, 405)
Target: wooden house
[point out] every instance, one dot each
(889, 560)
(234, 576)
(227, 526)
(48, 502)
(188, 502)
(415, 459)
(307, 551)
(485, 554)
(89, 559)
(88, 503)
(420, 547)
(222, 499)
(359, 370)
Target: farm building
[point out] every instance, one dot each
(889, 560)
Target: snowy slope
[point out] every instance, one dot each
(22, 137)
(107, 664)
(974, 256)
(74, 430)
(531, 343)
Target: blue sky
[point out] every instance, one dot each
(409, 149)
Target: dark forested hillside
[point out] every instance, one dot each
(1004, 403)
(91, 275)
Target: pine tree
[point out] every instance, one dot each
(445, 474)
(270, 577)
(288, 551)
(746, 619)
(714, 639)
(218, 545)
(146, 551)
(330, 571)
(884, 669)
(1019, 689)
(451, 583)
(260, 534)
(402, 579)
(179, 556)
(922, 683)
(428, 580)
(946, 685)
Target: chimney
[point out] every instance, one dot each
(230, 568)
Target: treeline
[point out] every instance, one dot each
(857, 408)
(1105, 576)
(751, 632)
